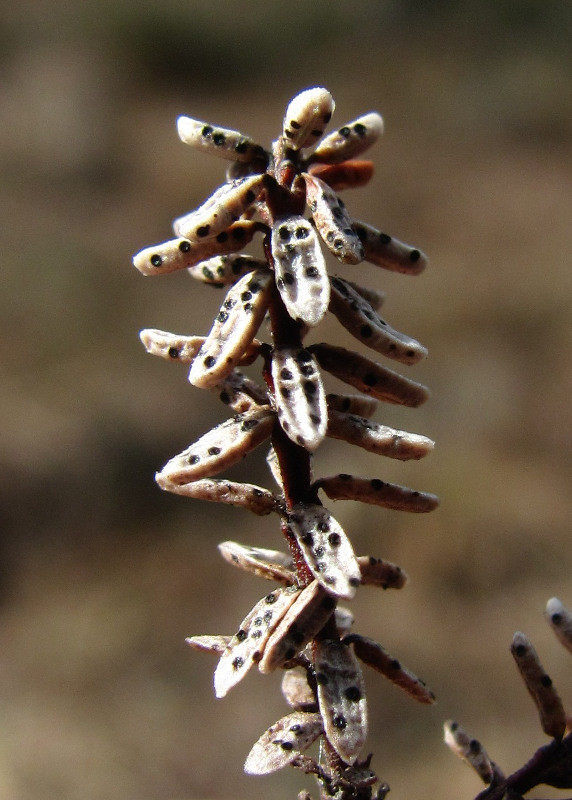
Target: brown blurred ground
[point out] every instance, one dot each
(102, 576)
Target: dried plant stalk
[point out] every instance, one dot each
(289, 195)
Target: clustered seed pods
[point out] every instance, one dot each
(289, 194)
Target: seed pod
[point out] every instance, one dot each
(306, 117)
(220, 448)
(379, 439)
(375, 656)
(297, 691)
(470, 750)
(308, 615)
(182, 254)
(341, 696)
(539, 685)
(247, 645)
(222, 208)
(326, 549)
(332, 221)
(389, 253)
(283, 742)
(376, 492)
(299, 396)
(370, 377)
(222, 270)
(561, 621)
(270, 564)
(300, 268)
(221, 142)
(347, 175)
(209, 644)
(359, 318)
(352, 404)
(253, 498)
(351, 140)
(376, 572)
(175, 347)
(234, 328)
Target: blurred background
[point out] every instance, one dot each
(101, 574)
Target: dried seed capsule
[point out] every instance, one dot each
(222, 208)
(220, 448)
(347, 175)
(470, 750)
(352, 404)
(376, 572)
(341, 696)
(378, 438)
(306, 117)
(209, 644)
(297, 691)
(175, 347)
(221, 270)
(299, 396)
(375, 656)
(270, 564)
(370, 377)
(308, 615)
(247, 645)
(326, 549)
(351, 140)
(283, 742)
(360, 319)
(253, 498)
(217, 141)
(332, 221)
(389, 253)
(300, 268)
(234, 328)
(376, 492)
(183, 254)
(561, 621)
(539, 685)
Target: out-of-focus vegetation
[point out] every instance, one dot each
(102, 576)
